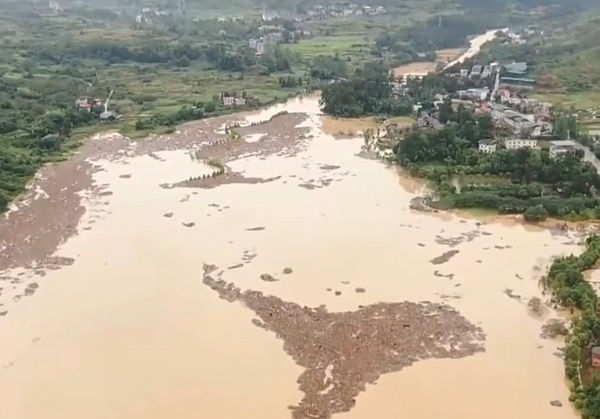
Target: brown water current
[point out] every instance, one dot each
(298, 285)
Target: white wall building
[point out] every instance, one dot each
(516, 143)
(487, 146)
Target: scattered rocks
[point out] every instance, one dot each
(268, 278)
(329, 167)
(31, 288)
(189, 225)
(256, 229)
(287, 271)
(537, 306)
(338, 293)
(125, 176)
(360, 290)
(239, 265)
(441, 275)
(511, 294)
(556, 403)
(445, 257)
(419, 204)
(553, 328)
(168, 215)
(455, 241)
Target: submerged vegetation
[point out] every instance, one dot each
(570, 288)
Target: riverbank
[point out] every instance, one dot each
(573, 291)
(131, 327)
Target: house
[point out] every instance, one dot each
(561, 148)
(474, 94)
(596, 356)
(516, 143)
(475, 71)
(239, 101)
(517, 122)
(557, 151)
(504, 95)
(464, 73)
(108, 116)
(517, 70)
(428, 122)
(487, 146)
(257, 45)
(87, 104)
(487, 72)
(228, 100)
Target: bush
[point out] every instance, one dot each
(536, 214)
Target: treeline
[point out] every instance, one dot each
(436, 33)
(368, 92)
(327, 67)
(223, 56)
(572, 290)
(116, 52)
(32, 131)
(186, 113)
(509, 181)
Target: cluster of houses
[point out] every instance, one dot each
(149, 14)
(537, 123)
(262, 44)
(86, 104)
(556, 149)
(322, 12)
(272, 35)
(480, 71)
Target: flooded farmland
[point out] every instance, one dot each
(298, 284)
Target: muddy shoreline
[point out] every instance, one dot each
(49, 212)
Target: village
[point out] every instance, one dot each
(501, 92)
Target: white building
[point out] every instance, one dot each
(516, 143)
(487, 146)
(560, 148)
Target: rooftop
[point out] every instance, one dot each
(516, 68)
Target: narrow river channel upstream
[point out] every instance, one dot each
(299, 284)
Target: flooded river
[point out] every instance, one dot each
(149, 313)
(475, 45)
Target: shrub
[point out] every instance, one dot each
(536, 213)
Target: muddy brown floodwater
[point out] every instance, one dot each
(374, 310)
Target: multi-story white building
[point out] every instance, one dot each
(487, 146)
(516, 143)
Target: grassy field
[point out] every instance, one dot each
(344, 44)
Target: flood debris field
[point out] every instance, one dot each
(345, 301)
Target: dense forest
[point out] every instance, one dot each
(368, 92)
